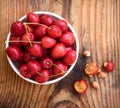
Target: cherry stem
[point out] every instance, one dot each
(23, 41)
(47, 63)
(27, 34)
(56, 74)
(40, 74)
(37, 24)
(52, 75)
(59, 68)
(62, 72)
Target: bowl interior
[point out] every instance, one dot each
(15, 65)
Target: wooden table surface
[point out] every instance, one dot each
(97, 24)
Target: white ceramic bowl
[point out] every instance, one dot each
(15, 66)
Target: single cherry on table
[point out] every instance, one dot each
(109, 66)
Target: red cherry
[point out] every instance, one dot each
(60, 68)
(43, 76)
(27, 37)
(62, 24)
(40, 31)
(67, 38)
(33, 67)
(24, 72)
(36, 50)
(32, 17)
(17, 28)
(13, 38)
(54, 31)
(109, 66)
(47, 20)
(70, 57)
(14, 53)
(58, 50)
(46, 62)
(48, 42)
(26, 57)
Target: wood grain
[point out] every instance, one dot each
(97, 24)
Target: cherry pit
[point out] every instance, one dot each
(44, 47)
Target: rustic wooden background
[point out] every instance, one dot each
(97, 24)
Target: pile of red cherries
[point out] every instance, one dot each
(43, 46)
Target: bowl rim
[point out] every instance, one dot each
(71, 66)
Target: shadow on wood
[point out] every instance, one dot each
(64, 92)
